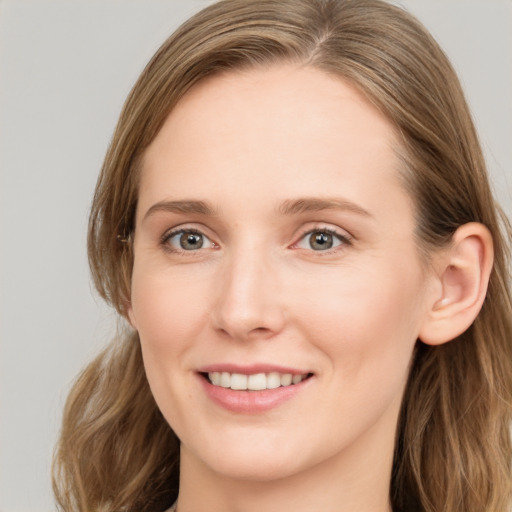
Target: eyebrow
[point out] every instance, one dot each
(315, 204)
(188, 206)
(288, 207)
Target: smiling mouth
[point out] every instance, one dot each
(256, 381)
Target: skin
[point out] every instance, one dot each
(248, 143)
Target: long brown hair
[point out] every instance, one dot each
(453, 446)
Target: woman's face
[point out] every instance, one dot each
(274, 243)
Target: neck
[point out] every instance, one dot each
(345, 483)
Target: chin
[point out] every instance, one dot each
(250, 461)
(255, 470)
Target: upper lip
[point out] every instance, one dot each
(250, 369)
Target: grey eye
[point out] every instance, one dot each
(191, 241)
(321, 240)
(188, 241)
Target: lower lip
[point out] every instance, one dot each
(251, 402)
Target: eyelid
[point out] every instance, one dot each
(180, 229)
(342, 235)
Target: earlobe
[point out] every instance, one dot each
(462, 275)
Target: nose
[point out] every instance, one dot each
(249, 302)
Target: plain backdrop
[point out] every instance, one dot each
(65, 68)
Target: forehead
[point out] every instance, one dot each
(289, 129)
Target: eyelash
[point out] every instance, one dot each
(343, 239)
(164, 241)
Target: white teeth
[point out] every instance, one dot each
(273, 380)
(238, 381)
(257, 382)
(254, 382)
(225, 380)
(296, 379)
(286, 379)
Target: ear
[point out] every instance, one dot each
(461, 277)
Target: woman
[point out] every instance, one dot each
(294, 218)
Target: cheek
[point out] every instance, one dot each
(365, 321)
(365, 327)
(170, 316)
(169, 312)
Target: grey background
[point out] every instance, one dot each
(65, 69)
